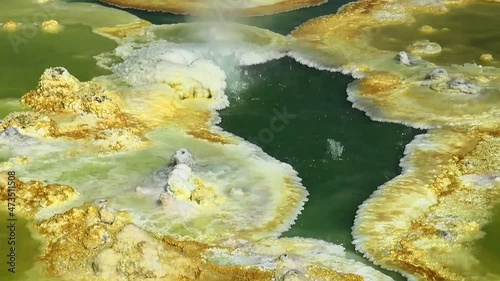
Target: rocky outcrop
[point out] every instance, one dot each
(180, 183)
(408, 60)
(31, 123)
(439, 80)
(424, 47)
(33, 196)
(51, 26)
(137, 255)
(60, 92)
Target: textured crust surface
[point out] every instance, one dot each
(229, 7)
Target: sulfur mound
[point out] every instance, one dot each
(89, 234)
(206, 202)
(11, 25)
(424, 47)
(486, 57)
(179, 183)
(51, 26)
(150, 58)
(31, 123)
(111, 247)
(33, 196)
(136, 254)
(59, 92)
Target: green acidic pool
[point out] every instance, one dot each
(317, 101)
(24, 58)
(25, 249)
(488, 246)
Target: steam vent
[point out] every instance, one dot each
(252, 140)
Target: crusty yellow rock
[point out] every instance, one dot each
(75, 237)
(65, 107)
(486, 57)
(206, 195)
(344, 41)
(51, 26)
(424, 47)
(11, 25)
(58, 92)
(31, 123)
(81, 246)
(33, 196)
(424, 221)
(119, 140)
(427, 29)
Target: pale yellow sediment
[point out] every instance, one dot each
(245, 8)
(424, 222)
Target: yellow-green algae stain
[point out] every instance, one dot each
(464, 33)
(26, 250)
(27, 52)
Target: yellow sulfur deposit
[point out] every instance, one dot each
(425, 222)
(51, 26)
(11, 25)
(96, 242)
(31, 123)
(486, 57)
(218, 7)
(33, 196)
(60, 92)
(427, 29)
(347, 42)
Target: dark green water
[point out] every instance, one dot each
(318, 102)
(317, 99)
(488, 246)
